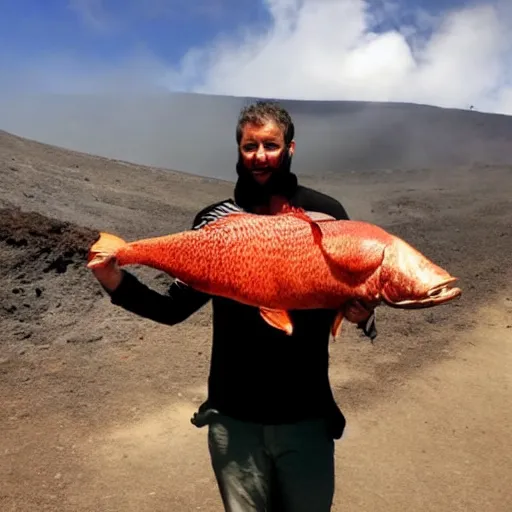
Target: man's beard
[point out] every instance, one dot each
(250, 193)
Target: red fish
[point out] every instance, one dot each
(290, 261)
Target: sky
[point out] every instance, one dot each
(451, 53)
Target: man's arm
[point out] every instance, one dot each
(180, 302)
(336, 210)
(125, 290)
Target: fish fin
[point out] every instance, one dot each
(302, 214)
(319, 216)
(307, 215)
(353, 256)
(336, 325)
(103, 250)
(278, 318)
(340, 250)
(288, 208)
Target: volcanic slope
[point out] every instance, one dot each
(96, 402)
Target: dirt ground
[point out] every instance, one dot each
(96, 403)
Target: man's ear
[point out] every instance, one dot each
(291, 148)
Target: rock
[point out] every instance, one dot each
(85, 338)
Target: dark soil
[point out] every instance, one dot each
(42, 266)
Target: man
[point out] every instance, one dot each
(270, 411)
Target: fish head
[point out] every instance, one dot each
(409, 280)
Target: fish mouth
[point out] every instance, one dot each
(440, 294)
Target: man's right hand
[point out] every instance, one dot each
(109, 276)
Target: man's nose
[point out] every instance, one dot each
(260, 153)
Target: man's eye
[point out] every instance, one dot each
(269, 146)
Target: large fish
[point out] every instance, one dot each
(290, 261)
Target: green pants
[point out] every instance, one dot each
(282, 468)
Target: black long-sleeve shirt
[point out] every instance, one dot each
(257, 372)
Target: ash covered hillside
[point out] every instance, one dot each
(55, 201)
(96, 401)
(195, 132)
(45, 287)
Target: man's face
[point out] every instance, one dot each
(262, 149)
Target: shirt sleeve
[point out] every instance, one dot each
(338, 211)
(369, 326)
(170, 308)
(180, 302)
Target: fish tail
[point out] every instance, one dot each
(104, 249)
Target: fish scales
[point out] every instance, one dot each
(277, 263)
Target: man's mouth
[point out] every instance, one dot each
(260, 172)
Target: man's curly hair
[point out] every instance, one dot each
(263, 111)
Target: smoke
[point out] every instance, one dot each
(331, 50)
(364, 51)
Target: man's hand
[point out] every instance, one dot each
(363, 315)
(356, 312)
(109, 276)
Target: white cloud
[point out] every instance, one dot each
(326, 49)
